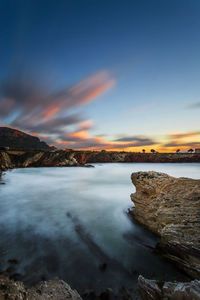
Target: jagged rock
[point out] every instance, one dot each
(5, 161)
(53, 289)
(159, 290)
(32, 159)
(23, 159)
(170, 207)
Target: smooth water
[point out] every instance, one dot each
(66, 222)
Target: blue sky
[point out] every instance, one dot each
(139, 60)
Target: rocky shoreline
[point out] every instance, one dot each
(167, 206)
(10, 159)
(170, 207)
(52, 289)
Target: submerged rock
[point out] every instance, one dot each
(170, 207)
(159, 290)
(54, 289)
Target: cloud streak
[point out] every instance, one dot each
(140, 139)
(37, 108)
(194, 105)
(82, 140)
(183, 135)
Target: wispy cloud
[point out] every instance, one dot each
(183, 135)
(194, 105)
(175, 144)
(140, 139)
(41, 109)
(183, 140)
(82, 140)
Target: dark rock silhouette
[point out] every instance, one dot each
(16, 139)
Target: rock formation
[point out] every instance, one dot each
(170, 207)
(23, 159)
(5, 161)
(114, 156)
(159, 290)
(53, 289)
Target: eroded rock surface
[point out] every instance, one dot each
(23, 159)
(53, 289)
(170, 207)
(159, 290)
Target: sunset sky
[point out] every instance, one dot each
(102, 74)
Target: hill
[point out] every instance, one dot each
(15, 139)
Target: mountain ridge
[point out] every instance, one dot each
(16, 139)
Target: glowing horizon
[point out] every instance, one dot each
(108, 79)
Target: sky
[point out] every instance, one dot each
(102, 74)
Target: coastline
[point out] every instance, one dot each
(10, 159)
(140, 283)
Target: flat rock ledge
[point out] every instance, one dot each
(159, 290)
(54, 289)
(170, 207)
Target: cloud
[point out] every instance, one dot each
(6, 106)
(81, 134)
(183, 135)
(88, 124)
(42, 109)
(176, 144)
(133, 139)
(82, 140)
(52, 126)
(194, 105)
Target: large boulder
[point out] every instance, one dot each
(53, 289)
(170, 207)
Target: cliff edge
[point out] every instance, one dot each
(170, 207)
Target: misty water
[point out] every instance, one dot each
(66, 222)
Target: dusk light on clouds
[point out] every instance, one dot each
(130, 82)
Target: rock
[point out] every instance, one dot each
(89, 166)
(53, 289)
(89, 294)
(159, 290)
(170, 207)
(29, 161)
(5, 161)
(103, 267)
(104, 295)
(13, 261)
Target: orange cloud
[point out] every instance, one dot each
(97, 91)
(86, 124)
(183, 135)
(93, 86)
(44, 110)
(82, 134)
(50, 112)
